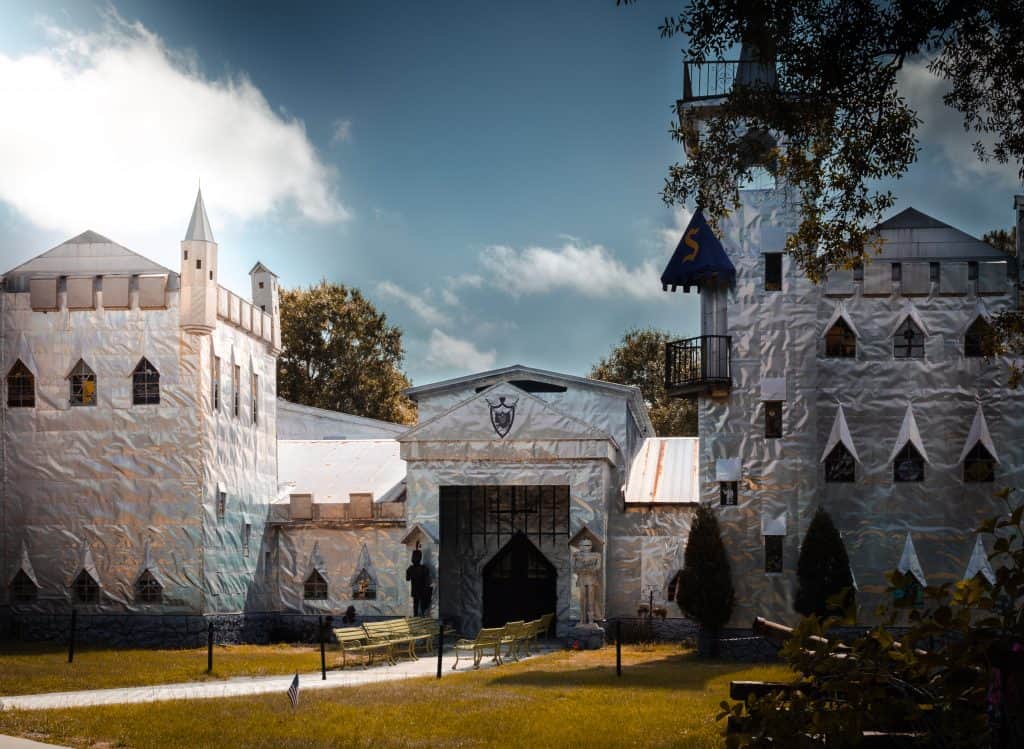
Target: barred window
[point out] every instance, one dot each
(148, 589)
(82, 383)
(145, 384)
(773, 553)
(236, 379)
(21, 387)
(840, 467)
(255, 388)
(979, 466)
(974, 338)
(216, 383)
(909, 465)
(315, 587)
(86, 589)
(23, 590)
(908, 343)
(840, 342)
(728, 493)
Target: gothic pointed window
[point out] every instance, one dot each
(910, 594)
(840, 467)
(145, 384)
(840, 341)
(23, 590)
(908, 465)
(21, 387)
(315, 587)
(974, 338)
(979, 465)
(672, 593)
(364, 587)
(86, 589)
(82, 384)
(908, 342)
(148, 589)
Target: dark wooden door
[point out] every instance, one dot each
(519, 583)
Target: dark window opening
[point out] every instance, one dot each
(364, 587)
(934, 272)
(531, 386)
(186, 254)
(979, 466)
(222, 504)
(83, 385)
(909, 465)
(910, 595)
(236, 384)
(246, 537)
(729, 493)
(199, 263)
(148, 589)
(773, 271)
(86, 589)
(773, 553)
(858, 272)
(975, 337)
(840, 342)
(145, 384)
(972, 270)
(21, 387)
(897, 272)
(23, 590)
(672, 592)
(481, 513)
(261, 284)
(255, 387)
(211, 275)
(315, 587)
(773, 419)
(216, 383)
(840, 467)
(908, 343)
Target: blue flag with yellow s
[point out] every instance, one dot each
(699, 258)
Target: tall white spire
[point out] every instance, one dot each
(199, 227)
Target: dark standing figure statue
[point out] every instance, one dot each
(419, 577)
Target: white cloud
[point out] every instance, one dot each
(942, 128)
(670, 237)
(342, 131)
(111, 131)
(450, 353)
(419, 305)
(588, 270)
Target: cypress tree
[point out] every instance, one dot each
(705, 590)
(823, 569)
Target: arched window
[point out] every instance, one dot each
(979, 465)
(21, 387)
(840, 467)
(364, 587)
(145, 384)
(23, 590)
(908, 465)
(908, 342)
(840, 342)
(315, 587)
(86, 589)
(82, 382)
(148, 589)
(974, 338)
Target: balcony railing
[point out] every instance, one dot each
(708, 80)
(698, 364)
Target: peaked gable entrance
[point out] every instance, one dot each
(520, 584)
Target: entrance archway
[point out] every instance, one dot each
(519, 583)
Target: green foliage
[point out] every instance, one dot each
(935, 679)
(823, 569)
(1002, 239)
(705, 590)
(639, 359)
(339, 353)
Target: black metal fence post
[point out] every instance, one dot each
(618, 647)
(71, 636)
(440, 647)
(209, 647)
(323, 656)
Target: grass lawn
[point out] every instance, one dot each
(31, 668)
(666, 697)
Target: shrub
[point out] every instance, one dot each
(823, 570)
(705, 590)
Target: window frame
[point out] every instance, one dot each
(830, 463)
(18, 587)
(973, 341)
(246, 539)
(774, 559)
(254, 390)
(976, 456)
(80, 376)
(148, 589)
(773, 274)
(216, 383)
(908, 346)
(85, 588)
(236, 385)
(369, 593)
(773, 425)
(18, 395)
(846, 345)
(908, 452)
(222, 504)
(315, 589)
(728, 493)
(145, 384)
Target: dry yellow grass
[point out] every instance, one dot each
(665, 698)
(32, 668)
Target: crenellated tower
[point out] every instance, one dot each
(265, 295)
(198, 308)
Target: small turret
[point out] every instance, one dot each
(265, 296)
(198, 308)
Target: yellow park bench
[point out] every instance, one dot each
(354, 642)
(487, 639)
(399, 634)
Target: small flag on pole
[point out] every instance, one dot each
(293, 692)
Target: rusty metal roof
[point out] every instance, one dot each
(665, 469)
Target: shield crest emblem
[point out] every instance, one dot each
(502, 414)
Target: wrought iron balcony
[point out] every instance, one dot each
(696, 365)
(708, 80)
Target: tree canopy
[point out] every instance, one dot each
(639, 359)
(341, 354)
(705, 591)
(823, 569)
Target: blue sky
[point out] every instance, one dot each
(487, 173)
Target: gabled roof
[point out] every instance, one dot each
(260, 267)
(979, 433)
(909, 433)
(979, 563)
(88, 254)
(199, 226)
(840, 434)
(911, 218)
(910, 563)
(912, 234)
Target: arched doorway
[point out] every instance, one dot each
(519, 583)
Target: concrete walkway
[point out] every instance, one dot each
(240, 686)
(12, 742)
